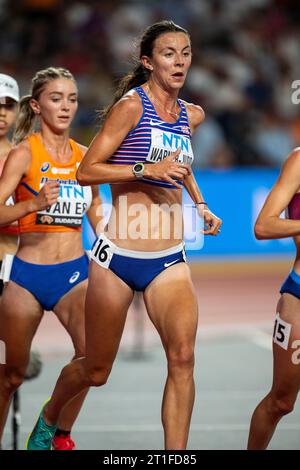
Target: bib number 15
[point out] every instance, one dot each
(281, 332)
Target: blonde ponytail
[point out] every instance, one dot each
(25, 120)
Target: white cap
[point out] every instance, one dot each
(8, 87)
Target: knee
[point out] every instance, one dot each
(13, 378)
(282, 405)
(181, 358)
(97, 376)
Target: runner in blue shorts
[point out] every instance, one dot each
(286, 335)
(50, 268)
(144, 151)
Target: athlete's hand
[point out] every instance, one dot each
(169, 169)
(47, 196)
(212, 223)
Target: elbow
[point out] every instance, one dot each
(82, 178)
(260, 231)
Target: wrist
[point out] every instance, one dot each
(146, 171)
(201, 207)
(138, 170)
(32, 206)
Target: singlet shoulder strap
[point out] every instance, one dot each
(141, 92)
(184, 119)
(147, 104)
(183, 107)
(38, 152)
(77, 150)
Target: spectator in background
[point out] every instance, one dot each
(273, 139)
(210, 147)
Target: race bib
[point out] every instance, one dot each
(281, 332)
(6, 267)
(163, 143)
(72, 203)
(103, 251)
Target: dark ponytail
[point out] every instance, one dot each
(137, 77)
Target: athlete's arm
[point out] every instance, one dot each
(94, 214)
(213, 223)
(196, 116)
(269, 224)
(93, 168)
(16, 166)
(123, 117)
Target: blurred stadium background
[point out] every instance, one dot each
(246, 57)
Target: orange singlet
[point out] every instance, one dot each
(74, 200)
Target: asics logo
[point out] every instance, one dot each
(74, 277)
(166, 265)
(45, 166)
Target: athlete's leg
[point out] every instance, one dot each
(172, 307)
(70, 312)
(20, 316)
(107, 302)
(286, 377)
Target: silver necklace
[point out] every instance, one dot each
(172, 113)
(52, 149)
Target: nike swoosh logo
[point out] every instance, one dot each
(166, 265)
(156, 123)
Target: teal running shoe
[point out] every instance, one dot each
(42, 434)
